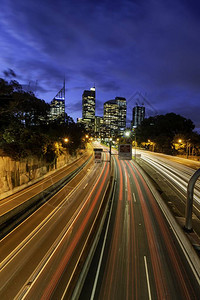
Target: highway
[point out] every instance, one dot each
(25, 201)
(171, 175)
(43, 256)
(138, 256)
(169, 159)
(141, 253)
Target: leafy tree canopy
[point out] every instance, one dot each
(20, 105)
(25, 127)
(162, 129)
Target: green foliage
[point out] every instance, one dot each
(17, 105)
(25, 128)
(162, 129)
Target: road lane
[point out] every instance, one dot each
(57, 243)
(16, 199)
(173, 170)
(25, 230)
(169, 271)
(142, 258)
(171, 177)
(191, 164)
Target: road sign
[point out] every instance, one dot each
(125, 151)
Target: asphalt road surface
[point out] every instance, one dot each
(40, 258)
(138, 256)
(171, 176)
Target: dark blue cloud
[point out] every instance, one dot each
(123, 47)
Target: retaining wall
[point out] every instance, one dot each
(15, 175)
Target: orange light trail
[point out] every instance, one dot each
(53, 282)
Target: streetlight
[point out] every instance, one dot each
(66, 140)
(187, 147)
(127, 133)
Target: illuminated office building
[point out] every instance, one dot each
(98, 126)
(88, 110)
(57, 106)
(122, 107)
(115, 117)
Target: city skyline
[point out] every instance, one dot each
(131, 46)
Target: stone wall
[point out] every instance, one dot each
(15, 175)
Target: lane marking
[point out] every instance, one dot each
(62, 264)
(102, 250)
(85, 186)
(134, 197)
(40, 226)
(177, 181)
(184, 244)
(45, 260)
(147, 276)
(86, 241)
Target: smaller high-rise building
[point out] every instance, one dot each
(122, 106)
(138, 115)
(115, 117)
(57, 106)
(111, 112)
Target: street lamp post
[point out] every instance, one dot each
(188, 148)
(135, 146)
(110, 148)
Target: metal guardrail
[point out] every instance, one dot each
(189, 202)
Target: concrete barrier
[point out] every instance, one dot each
(19, 213)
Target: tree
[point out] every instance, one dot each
(20, 105)
(9, 73)
(161, 130)
(25, 127)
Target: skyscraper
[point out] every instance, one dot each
(115, 117)
(88, 110)
(111, 118)
(57, 106)
(122, 114)
(138, 115)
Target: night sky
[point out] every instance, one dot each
(122, 47)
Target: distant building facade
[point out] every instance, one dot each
(138, 115)
(110, 118)
(98, 126)
(57, 106)
(88, 110)
(122, 106)
(115, 117)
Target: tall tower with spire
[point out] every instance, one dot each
(57, 106)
